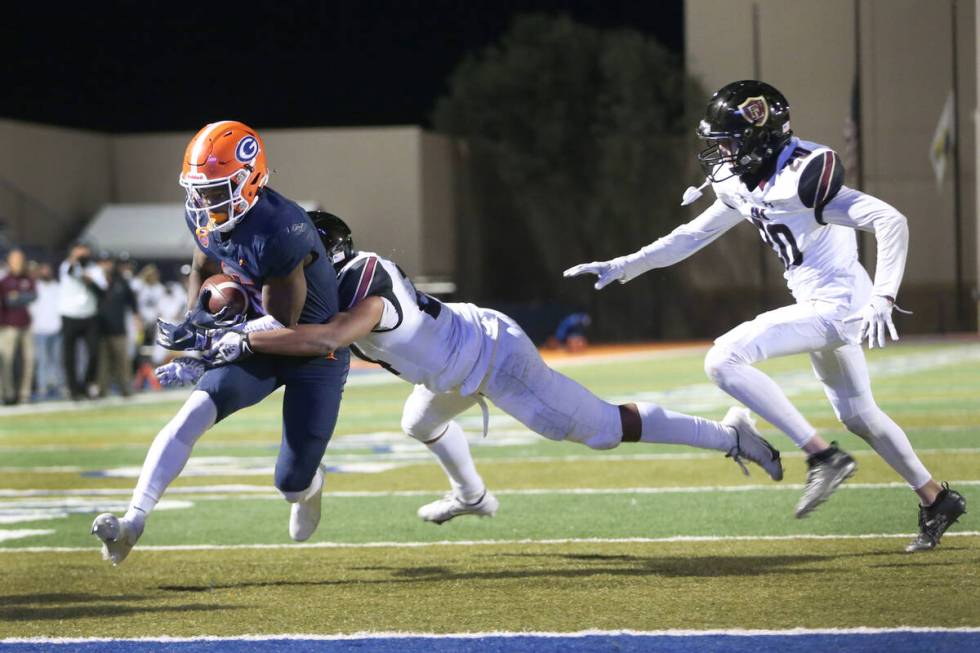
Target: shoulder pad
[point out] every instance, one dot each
(821, 180)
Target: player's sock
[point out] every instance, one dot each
(764, 398)
(171, 449)
(667, 427)
(453, 453)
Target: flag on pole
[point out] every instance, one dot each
(943, 141)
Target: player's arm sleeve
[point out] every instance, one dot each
(367, 277)
(852, 208)
(685, 240)
(820, 182)
(343, 329)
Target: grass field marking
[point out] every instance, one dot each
(263, 492)
(213, 464)
(707, 396)
(469, 543)
(738, 632)
(7, 534)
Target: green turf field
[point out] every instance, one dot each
(641, 537)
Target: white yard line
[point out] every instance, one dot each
(735, 632)
(266, 492)
(470, 543)
(425, 458)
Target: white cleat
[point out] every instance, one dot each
(304, 516)
(751, 445)
(118, 536)
(452, 506)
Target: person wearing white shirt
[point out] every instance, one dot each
(46, 329)
(80, 283)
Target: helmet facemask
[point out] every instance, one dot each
(216, 204)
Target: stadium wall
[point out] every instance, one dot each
(809, 51)
(393, 184)
(51, 179)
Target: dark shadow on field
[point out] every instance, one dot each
(562, 565)
(97, 611)
(35, 599)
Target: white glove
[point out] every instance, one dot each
(875, 317)
(230, 347)
(180, 371)
(607, 271)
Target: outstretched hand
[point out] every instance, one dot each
(606, 271)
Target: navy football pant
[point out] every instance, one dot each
(309, 406)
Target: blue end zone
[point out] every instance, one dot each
(892, 641)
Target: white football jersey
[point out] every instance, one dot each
(820, 258)
(443, 346)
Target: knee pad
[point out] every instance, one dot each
(718, 361)
(864, 424)
(600, 428)
(417, 427)
(296, 484)
(597, 440)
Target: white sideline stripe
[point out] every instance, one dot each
(262, 491)
(420, 545)
(737, 632)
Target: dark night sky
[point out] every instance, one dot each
(155, 66)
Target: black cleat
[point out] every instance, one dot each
(935, 519)
(828, 469)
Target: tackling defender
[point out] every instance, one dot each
(792, 191)
(266, 243)
(456, 354)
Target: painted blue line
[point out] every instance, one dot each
(893, 642)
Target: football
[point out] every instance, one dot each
(225, 292)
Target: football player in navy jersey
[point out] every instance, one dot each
(267, 243)
(457, 355)
(792, 191)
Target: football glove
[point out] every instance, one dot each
(180, 371)
(875, 318)
(192, 333)
(607, 271)
(228, 347)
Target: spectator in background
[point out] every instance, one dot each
(149, 291)
(46, 327)
(16, 294)
(172, 306)
(117, 309)
(80, 283)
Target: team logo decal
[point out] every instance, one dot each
(202, 236)
(755, 110)
(248, 149)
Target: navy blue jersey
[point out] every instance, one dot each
(273, 238)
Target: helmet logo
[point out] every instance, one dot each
(202, 235)
(248, 149)
(755, 110)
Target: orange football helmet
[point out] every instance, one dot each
(224, 169)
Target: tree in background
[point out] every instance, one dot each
(576, 144)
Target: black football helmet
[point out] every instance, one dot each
(335, 235)
(745, 125)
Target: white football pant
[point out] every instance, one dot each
(827, 331)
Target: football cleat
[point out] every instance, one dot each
(304, 515)
(451, 506)
(751, 445)
(828, 469)
(118, 536)
(935, 519)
